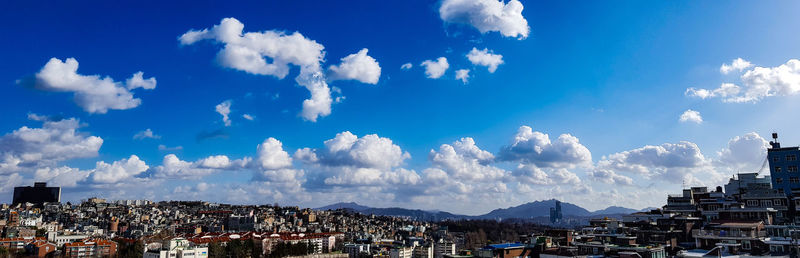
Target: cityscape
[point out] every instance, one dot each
(399, 129)
(753, 214)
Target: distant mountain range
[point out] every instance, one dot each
(344, 205)
(524, 211)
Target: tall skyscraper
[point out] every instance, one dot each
(38, 194)
(555, 213)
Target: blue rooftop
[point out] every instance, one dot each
(503, 246)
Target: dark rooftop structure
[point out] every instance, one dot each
(38, 194)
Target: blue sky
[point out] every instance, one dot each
(612, 75)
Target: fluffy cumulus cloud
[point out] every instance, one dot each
(55, 141)
(118, 170)
(532, 175)
(487, 15)
(486, 58)
(224, 109)
(173, 167)
(147, 133)
(671, 161)
(737, 64)
(747, 151)
(535, 147)
(756, 84)
(435, 69)
(61, 176)
(371, 151)
(8, 182)
(463, 75)
(271, 155)
(691, 116)
(608, 176)
(271, 53)
(351, 160)
(358, 66)
(463, 160)
(93, 93)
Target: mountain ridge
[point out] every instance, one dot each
(533, 209)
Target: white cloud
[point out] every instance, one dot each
(248, 117)
(463, 160)
(251, 51)
(91, 92)
(486, 58)
(406, 66)
(746, 152)
(358, 66)
(738, 64)
(487, 15)
(670, 161)
(725, 91)
(138, 81)
(55, 141)
(349, 160)
(536, 148)
(8, 182)
(224, 109)
(61, 176)
(147, 133)
(691, 116)
(216, 161)
(118, 170)
(174, 167)
(756, 84)
(463, 75)
(361, 176)
(271, 155)
(435, 69)
(369, 151)
(563, 176)
(163, 147)
(275, 169)
(610, 177)
(531, 174)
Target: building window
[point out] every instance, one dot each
(778, 180)
(791, 157)
(778, 169)
(791, 168)
(776, 159)
(794, 180)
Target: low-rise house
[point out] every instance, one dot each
(733, 236)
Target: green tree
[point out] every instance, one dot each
(41, 232)
(215, 250)
(130, 250)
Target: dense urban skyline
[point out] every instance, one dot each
(454, 105)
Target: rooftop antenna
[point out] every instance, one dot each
(775, 137)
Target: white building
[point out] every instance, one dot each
(423, 252)
(175, 248)
(60, 240)
(402, 252)
(354, 249)
(443, 247)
